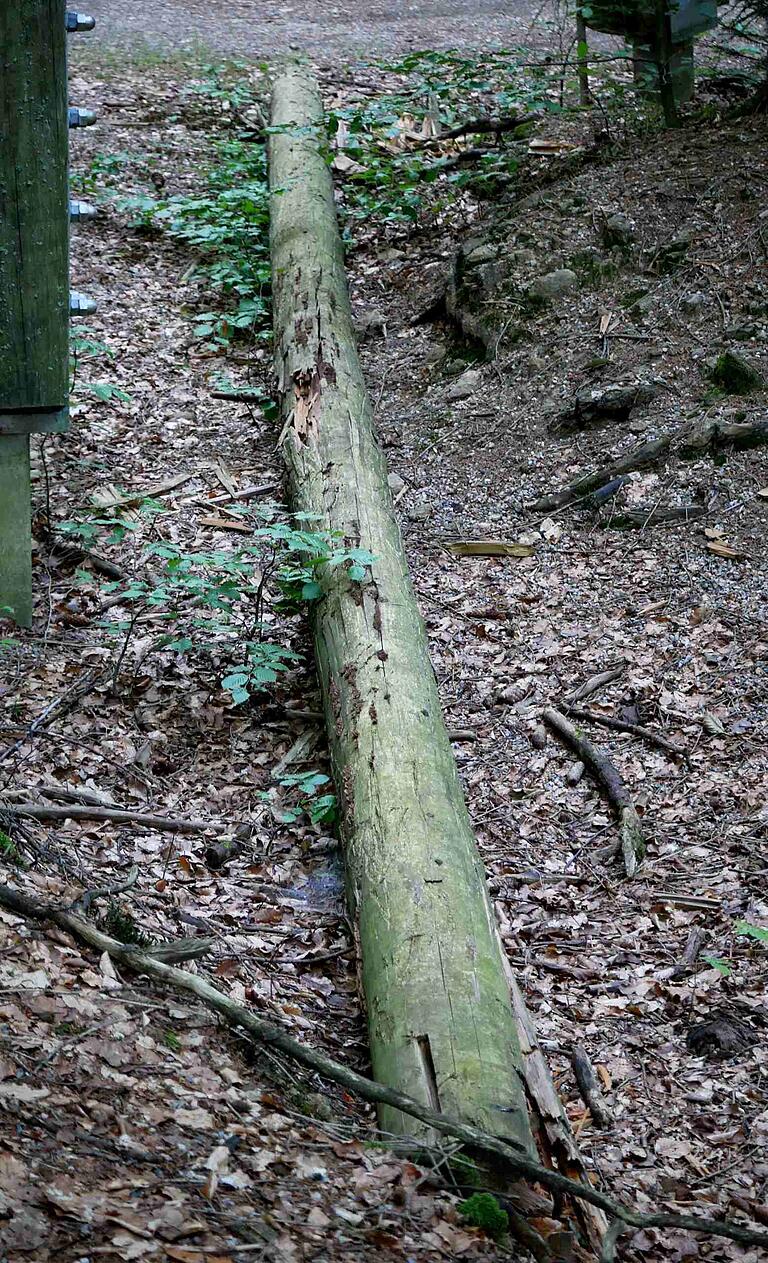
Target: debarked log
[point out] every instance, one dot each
(440, 1020)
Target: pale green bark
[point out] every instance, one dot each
(440, 1019)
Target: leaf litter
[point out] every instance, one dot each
(135, 1127)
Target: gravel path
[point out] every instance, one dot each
(257, 28)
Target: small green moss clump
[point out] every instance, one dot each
(9, 850)
(122, 926)
(482, 1210)
(735, 375)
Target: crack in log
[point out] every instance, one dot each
(428, 1069)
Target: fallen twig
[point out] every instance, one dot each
(179, 949)
(639, 519)
(594, 684)
(247, 493)
(475, 1140)
(240, 395)
(82, 685)
(546, 878)
(609, 780)
(65, 793)
(637, 730)
(63, 550)
(687, 963)
(101, 892)
(484, 127)
(170, 824)
(700, 903)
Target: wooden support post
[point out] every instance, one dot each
(662, 51)
(15, 530)
(34, 266)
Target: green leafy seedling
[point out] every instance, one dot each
(756, 932)
(482, 1210)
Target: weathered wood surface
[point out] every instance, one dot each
(34, 267)
(34, 206)
(15, 530)
(441, 1023)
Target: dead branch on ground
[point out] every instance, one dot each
(589, 1088)
(595, 683)
(618, 725)
(632, 841)
(691, 441)
(169, 824)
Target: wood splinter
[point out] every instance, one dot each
(589, 1088)
(631, 838)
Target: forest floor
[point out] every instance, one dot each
(258, 29)
(133, 1125)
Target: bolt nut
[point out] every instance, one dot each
(81, 210)
(79, 21)
(80, 118)
(79, 305)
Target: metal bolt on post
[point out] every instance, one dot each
(80, 210)
(78, 22)
(79, 305)
(81, 118)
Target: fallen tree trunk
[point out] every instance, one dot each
(440, 1019)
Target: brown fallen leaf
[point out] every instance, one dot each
(346, 165)
(226, 524)
(110, 496)
(489, 548)
(721, 549)
(216, 1163)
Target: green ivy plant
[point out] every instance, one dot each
(748, 930)
(85, 347)
(218, 602)
(226, 225)
(305, 787)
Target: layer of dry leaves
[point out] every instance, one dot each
(133, 1126)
